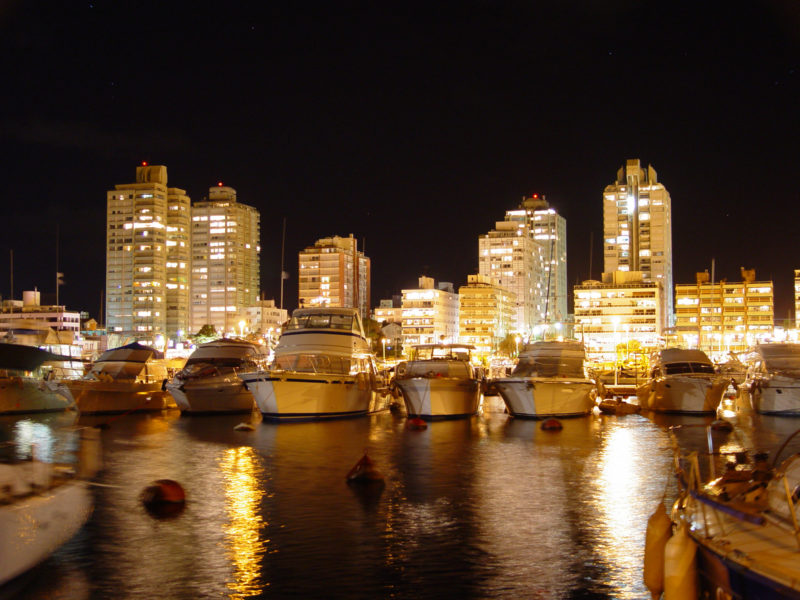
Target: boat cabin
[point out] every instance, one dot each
(551, 359)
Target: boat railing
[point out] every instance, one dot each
(690, 480)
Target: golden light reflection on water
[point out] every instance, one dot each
(620, 474)
(244, 490)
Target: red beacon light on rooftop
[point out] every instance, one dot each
(144, 163)
(219, 183)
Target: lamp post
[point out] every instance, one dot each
(383, 343)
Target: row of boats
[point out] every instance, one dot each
(323, 368)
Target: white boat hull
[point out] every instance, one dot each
(779, 396)
(540, 398)
(307, 396)
(440, 398)
(21, 395)
(212, 395)
(676, 394)
(118, 397)
(32, 528)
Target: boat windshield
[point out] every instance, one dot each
(549, 366)
(321, 363)
(441, 352)
(323, 321)
(682, 368)
(781, 357)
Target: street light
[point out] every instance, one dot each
(383, 343)
(242, 323)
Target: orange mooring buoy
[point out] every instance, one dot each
(364, 471)
(552, 425)
(721, 425)
(416, 423)
(164, 498)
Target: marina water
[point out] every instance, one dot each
(486, 507)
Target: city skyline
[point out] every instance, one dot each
(415, 131)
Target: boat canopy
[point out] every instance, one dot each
(134, 352)
(18, 357)
(779, 357)
(551, 359)
(340, 319)
(442, 351)
(226, 352)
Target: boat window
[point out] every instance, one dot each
(319, 321)
(549, 366)
(678, 368)
(343, 322)
(313, 363)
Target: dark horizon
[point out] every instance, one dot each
(412, 127)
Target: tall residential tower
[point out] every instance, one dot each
(147, 265)
(225, 260)
(637, 228)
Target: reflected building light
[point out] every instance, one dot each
(244, 490)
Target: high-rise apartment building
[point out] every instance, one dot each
(718, 317)
(430, 314)
(487, 313)
(637, 228)
(334, 272)
(225, 260)
(147, 268)
(527, 254)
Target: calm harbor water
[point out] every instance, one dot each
(489, 507)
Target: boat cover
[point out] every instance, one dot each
(673, 355)
(25, 358)
(780, 356)
(134, 352)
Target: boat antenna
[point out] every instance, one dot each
(284, 274)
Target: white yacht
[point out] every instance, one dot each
(439, 382)
(550, 380)
(323, 369)
(682, 381)
(124, 379)
(23, 385)
(210, 382)
(773, 379)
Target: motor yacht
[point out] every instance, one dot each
(682, 381)
(125, 379)
(439, 382)
(772, 384)
(24, 386)
(550, 380)
(210, 382)
(323, 369)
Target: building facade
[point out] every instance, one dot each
(225, 265)
(621, 308)
(334, 272)
(430, 314)
(487, 314)
(526, 254)
(637, 228)
(721, 317)
(146, 230)
(797, 298)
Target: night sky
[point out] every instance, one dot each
(413, 126)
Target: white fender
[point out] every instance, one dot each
(659, 530)
(680, 570)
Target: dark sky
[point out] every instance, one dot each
(413, 126)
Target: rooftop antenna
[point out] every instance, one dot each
(712, 271)
(284, 274)
(11, 252)
(591, 243)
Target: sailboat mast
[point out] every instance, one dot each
(283, 245)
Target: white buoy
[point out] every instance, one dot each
(659, 530)
(680, 570)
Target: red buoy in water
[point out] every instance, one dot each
(721, 425)
(364, 471)
(164, 498)
(551, 425)
(416, 423)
